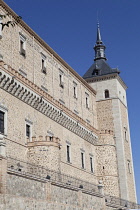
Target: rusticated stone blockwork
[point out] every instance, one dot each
(104, 115)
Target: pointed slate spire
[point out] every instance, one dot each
(99, 40)
(99, 46)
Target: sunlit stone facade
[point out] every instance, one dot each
(61, 135)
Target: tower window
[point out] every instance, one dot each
(95, 72)
(2, 122)
(106, 93)
(129, 166)
(125, 133)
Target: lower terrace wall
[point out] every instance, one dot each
(24, 193)
(26, 190)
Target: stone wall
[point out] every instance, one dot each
(107, 169)
(25, 193)
(104, 115)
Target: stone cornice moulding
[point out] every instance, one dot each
(107, 77)
(23, 89)
(42, 143)
(46, 46)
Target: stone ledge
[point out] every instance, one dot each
(42, 143)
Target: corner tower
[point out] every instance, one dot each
(112, 116)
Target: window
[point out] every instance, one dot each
(1, 122)
(91, 164)
(106, 93)
(61, 83)
(28, 131)
(51, 138)
(125, 133)
(74, 90)
(82, 160)
(43, 63)
(95, 72)
(129, 166)
(50, 134)
(28, 127)
(68, 153)
(0, 28)
(87, 100)
(22, 45)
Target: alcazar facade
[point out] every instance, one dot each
(64, 139)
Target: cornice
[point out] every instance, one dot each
(44, 44)
(28, 92)
(101, 78)
(106, 77)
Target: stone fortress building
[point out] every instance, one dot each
(64, 140)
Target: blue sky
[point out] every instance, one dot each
(69, 27)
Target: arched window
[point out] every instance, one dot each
(106, 93)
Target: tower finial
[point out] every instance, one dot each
(99, 40)
(99, 46)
